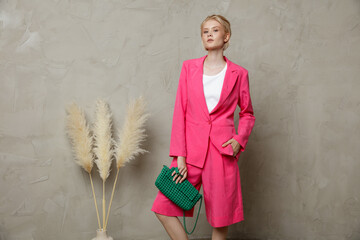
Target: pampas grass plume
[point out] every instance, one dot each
(132, 133)
(103, 138)
(79, 133)
(82, 142)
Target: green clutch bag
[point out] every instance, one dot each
(184, 194)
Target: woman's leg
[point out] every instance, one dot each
(222, 189)
(173, 227)
(166, 211)
(219, 233)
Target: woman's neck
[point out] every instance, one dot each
(214, 59)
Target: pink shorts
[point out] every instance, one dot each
(220, 178)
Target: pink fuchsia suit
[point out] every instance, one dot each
(193, 126)
(198, 135)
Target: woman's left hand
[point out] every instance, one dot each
(234, 144)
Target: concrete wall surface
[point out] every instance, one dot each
(300, 170)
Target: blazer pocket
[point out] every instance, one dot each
(219, 136)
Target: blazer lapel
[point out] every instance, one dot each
(229, 81)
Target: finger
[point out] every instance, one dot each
(183, 171)
(178, 179)
(175, 177)
(183, 178)
(227, 143)
(236, 152)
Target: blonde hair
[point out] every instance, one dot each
(223, 21)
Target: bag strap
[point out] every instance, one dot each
(195, 220)
(197, 216)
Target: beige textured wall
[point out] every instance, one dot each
(300, 172)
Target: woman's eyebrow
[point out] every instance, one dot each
(212, 27)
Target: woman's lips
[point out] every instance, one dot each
(210, 40)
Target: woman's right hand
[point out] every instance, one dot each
(181, 164)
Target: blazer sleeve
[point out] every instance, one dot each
(246, 114)
(178, 131)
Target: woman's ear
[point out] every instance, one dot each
(227, 37)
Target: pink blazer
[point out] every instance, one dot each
(193, 126)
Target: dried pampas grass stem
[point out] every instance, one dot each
(130, 137)
(103, 143)
(81, 139)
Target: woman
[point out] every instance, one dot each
(204, 144)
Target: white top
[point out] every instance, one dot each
(212, 88)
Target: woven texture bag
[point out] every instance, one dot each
(184, 194)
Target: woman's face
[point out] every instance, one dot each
(213, 35)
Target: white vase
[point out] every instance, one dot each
(101, 235)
